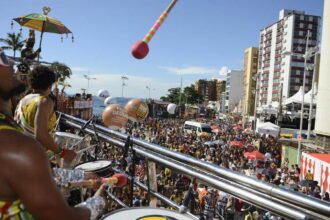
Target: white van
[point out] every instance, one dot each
(199, 128)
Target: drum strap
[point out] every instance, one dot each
(8, 123)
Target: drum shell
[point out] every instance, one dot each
(140, 213)
(71, 142)
(101, 171)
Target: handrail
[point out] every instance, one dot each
(299, 203)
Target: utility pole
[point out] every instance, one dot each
(279, 115)
(256, 93)
(312, 99)
(180, 98)
(88, 79)
(123, 78)
(303, 100)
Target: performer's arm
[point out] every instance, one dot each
(30, 178)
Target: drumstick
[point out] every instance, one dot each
(117, 180)
(85, 149)
(140, 49)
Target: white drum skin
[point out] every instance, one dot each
(143, 213)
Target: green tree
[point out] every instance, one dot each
(173, 96)
(13, 42)
(191, 95)
(62, 71)
(64, 85)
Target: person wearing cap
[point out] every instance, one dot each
(35, 112)
(27, 189)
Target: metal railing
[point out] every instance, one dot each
(285, 203)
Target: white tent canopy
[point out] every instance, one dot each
(297, 98)
(308, 97)
(268, 128)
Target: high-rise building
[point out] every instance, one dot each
(288, 34)
(234, 89)
(249, 84)
(210, 89)
(220, 88)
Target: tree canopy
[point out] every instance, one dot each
(188, 95)
(13, 42)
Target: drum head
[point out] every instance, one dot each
(94, 165)
(145, 214)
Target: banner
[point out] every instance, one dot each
(319, 165)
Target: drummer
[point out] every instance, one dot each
(27, 189)
(35, 112)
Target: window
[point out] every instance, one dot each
(311, 18)
(301, 25)
(301, 33)
(302, 17)
(310, 26)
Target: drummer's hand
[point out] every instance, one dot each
(89, 175)
(101, 190)
(69, 155)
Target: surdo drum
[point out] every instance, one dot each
(145, 214)
(101, 168)
(71, 142)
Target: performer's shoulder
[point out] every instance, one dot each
(15, 142)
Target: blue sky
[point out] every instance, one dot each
(196, 41)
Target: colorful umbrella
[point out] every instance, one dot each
(254, 155)
(238, 127)
(236, 144)
(43, 23)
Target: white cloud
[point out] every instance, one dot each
(78, 69)
(223, 71)
(190, 70)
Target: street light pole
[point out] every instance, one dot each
(123, 78)
(312, 99)
(303, 100)
(88, 79)
(256, 92)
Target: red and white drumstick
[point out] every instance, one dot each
(140, 49)
(117, 180)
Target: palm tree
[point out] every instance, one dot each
(64, 85)
(61, 70)
(13, 42)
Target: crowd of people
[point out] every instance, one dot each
(26, 140)
(216, 149)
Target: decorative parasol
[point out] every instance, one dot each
(43, 23)
(237, 144)
(254, 155)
